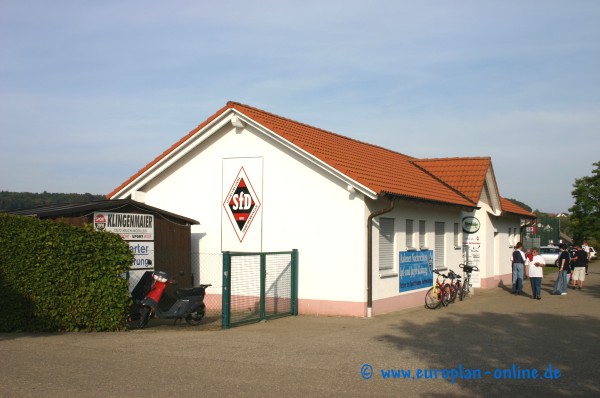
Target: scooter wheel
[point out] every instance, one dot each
(194, 318)
(144, 317)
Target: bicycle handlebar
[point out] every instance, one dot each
(469, 268)
(435, 271)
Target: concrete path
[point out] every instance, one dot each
(490, 344)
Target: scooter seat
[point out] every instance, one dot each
(189, 292)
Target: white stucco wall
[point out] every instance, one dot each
(303, 208)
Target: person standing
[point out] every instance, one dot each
(536, 273)
(518, 260)
(562, 280)
(586, 248)
(579, 270)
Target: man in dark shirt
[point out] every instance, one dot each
(579, 262)
(562, 279)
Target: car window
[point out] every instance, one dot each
(549, 250)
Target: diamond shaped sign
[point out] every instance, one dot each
(241, 204)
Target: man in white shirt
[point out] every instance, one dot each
(536, 273)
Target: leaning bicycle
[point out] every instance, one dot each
(440, 293)
(456, 285)
(466, 287)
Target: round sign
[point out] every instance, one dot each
(470, 225)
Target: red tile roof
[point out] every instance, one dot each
(511, 207)
(466, 175)
(377, 168)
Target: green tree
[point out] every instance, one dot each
(585, 213)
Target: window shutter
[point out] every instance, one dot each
(439, 244)
(386, 243)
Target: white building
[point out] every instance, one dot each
(261, 182)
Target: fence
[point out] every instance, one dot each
(259, 286)
(208, 268)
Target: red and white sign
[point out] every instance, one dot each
(241, 204)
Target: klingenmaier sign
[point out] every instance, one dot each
(130, 226)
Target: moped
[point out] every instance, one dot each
(189, 305)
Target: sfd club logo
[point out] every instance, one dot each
(241, 204)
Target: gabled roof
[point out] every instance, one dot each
(509, 206)
(380, 170)
(466, 175)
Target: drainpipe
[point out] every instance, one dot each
(370, 255)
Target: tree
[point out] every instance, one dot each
(27, 200)
(585, 213)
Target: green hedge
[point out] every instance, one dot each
(56, 277)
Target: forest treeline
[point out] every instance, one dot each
(26, 200)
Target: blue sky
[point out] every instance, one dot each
(92, 91)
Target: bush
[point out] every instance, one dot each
(56, 277)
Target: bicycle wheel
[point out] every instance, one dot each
(433, 298)
(447, 294)
(456, 291)
(465, 289)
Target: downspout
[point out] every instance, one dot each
(370, 255)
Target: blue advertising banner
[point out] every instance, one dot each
(416, 270)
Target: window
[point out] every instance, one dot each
(440, 232)
(409, 234)
(512, 232)
(422, 242)
(386, 244)
(456, 235)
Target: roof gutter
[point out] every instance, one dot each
(370, 254)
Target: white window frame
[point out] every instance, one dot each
(423, 235)
(457, 244)
(410, 238)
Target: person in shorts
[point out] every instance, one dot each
(580, 261)
(586, 247)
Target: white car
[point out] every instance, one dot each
(550, 255)
(593, 253)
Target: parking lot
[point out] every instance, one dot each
(495, 335)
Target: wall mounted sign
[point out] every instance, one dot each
(241, 204)
(470, 225)
(131, 226)
(416, 270)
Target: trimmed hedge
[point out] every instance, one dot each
(56, 277)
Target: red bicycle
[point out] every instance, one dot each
(441, 292)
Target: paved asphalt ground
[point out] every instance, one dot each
(328, 356)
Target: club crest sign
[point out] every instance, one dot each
(241, 204)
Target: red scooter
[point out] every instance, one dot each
(189, 305)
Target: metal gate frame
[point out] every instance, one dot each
(262, 313)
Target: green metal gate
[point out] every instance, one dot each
(259, 286)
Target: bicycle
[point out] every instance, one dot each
(466, 287)
(455, 284)
(440, 293)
